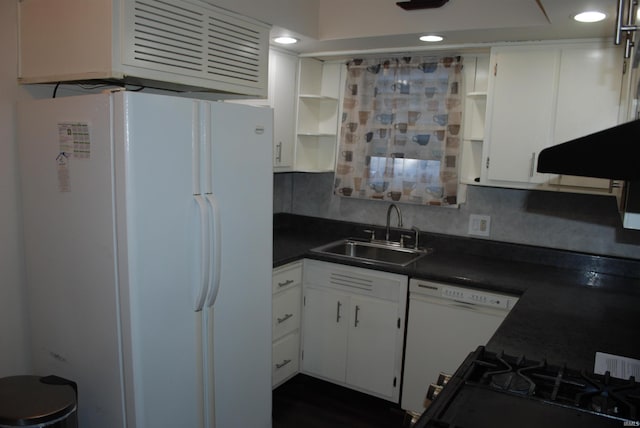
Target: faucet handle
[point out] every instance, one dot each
(403, 238)
(372, 232)
(417, 235)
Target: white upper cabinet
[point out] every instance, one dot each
(589, 100)
(283, 72)
(476, 76)
(317, 132)
(542, 95)
(184, 45)
(521, 111)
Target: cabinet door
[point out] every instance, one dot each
(325, 333)
(371, 355)
(589, 92)
(522, 107)
(282, 75)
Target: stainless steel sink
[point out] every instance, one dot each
(372, 252)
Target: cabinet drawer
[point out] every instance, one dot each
(287, 276)
(285, 358)
(286, 312)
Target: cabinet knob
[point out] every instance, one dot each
(284, 283)
(357, 321)
(284, 318)
(279, 152)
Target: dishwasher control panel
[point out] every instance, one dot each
(462, 294)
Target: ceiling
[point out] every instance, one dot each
(348, 26)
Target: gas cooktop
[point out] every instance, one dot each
(493, 390)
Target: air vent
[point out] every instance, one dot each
(168, 36)
(351, 281)
(197, 40)
(234, 50)
(177, 45)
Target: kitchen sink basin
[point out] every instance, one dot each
(372, 252)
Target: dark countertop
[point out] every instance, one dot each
(571, 304)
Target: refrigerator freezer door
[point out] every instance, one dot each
(163, 353)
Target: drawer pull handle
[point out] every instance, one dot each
(281, 365)
(284, 318)
(357, 321)
(287, 282)
(338, 316)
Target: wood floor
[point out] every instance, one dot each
(306, 402)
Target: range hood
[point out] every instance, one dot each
(612, 153)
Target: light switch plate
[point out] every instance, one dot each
(479, 225)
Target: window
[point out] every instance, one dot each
(400, 131)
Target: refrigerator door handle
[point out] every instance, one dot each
(202, 284)
(215, 250)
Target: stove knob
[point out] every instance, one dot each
(443, 379)
(433, 391)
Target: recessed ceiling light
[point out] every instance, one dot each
(431, 38)
(590, 16)
(285, 40)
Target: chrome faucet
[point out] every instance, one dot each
(389, 218)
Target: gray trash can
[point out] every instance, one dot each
(34, 401)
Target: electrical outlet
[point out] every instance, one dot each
(479, 225)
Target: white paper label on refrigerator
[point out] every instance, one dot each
(74, 139)
(64, 181)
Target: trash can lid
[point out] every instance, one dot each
(27, 400)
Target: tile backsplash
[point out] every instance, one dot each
(568, 221)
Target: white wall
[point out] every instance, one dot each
(13, 337)
(300, 16)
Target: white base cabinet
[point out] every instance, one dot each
(287, 291)
(353, 327)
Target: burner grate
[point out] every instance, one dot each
(556, 384)
(603, 396)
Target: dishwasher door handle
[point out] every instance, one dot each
(457, 304)
(463, 305)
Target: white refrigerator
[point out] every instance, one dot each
(148, 242)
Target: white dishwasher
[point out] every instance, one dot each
(445, 323)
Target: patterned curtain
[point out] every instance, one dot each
(400, 132)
